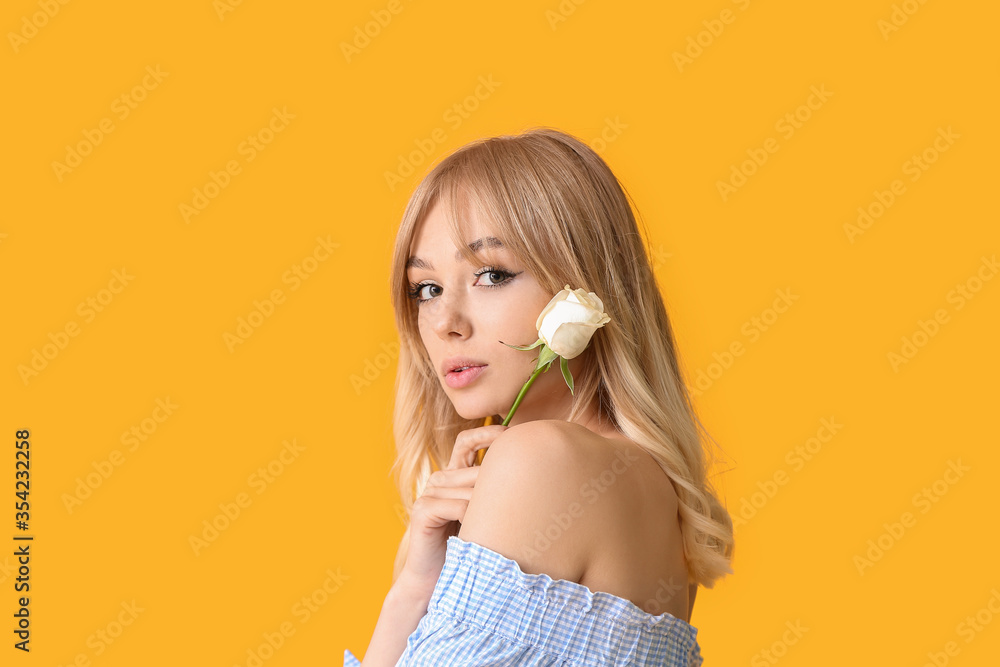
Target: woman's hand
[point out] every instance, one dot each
(438, 511)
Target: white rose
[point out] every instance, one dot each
(570, 319)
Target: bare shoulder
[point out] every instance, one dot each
(526, 503)
(533, 435)
(615, 469)
(613, 513)
(536, 496)
(551, 452)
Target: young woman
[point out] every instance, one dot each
(583, 535)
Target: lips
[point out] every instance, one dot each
(455, 363)
(460, 377)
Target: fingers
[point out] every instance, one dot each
(432, 513)
(470, 441)
(457, 491)
(448, 492)
(445, 498)
(458, 477)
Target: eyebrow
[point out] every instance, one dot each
(475, 246)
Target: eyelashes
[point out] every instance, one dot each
(417, 288)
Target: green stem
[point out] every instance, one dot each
(524, 389)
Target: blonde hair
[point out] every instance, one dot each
(556, 205)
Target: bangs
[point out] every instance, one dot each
(530, 194)
(468, 201)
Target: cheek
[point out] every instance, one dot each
(515, 330)
(424, 331)
(519, 317)
(426, 334)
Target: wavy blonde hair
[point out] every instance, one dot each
(556, 205)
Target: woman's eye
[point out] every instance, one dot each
(497, 277)
(418, 292)
(494, 278)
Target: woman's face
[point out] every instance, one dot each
(465, 310)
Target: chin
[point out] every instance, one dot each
(471, 411)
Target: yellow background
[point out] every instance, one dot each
(320, 369)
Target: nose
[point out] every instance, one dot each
(449, 317)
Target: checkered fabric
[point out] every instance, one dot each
(486, 611)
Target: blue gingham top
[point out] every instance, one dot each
(486, 611)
